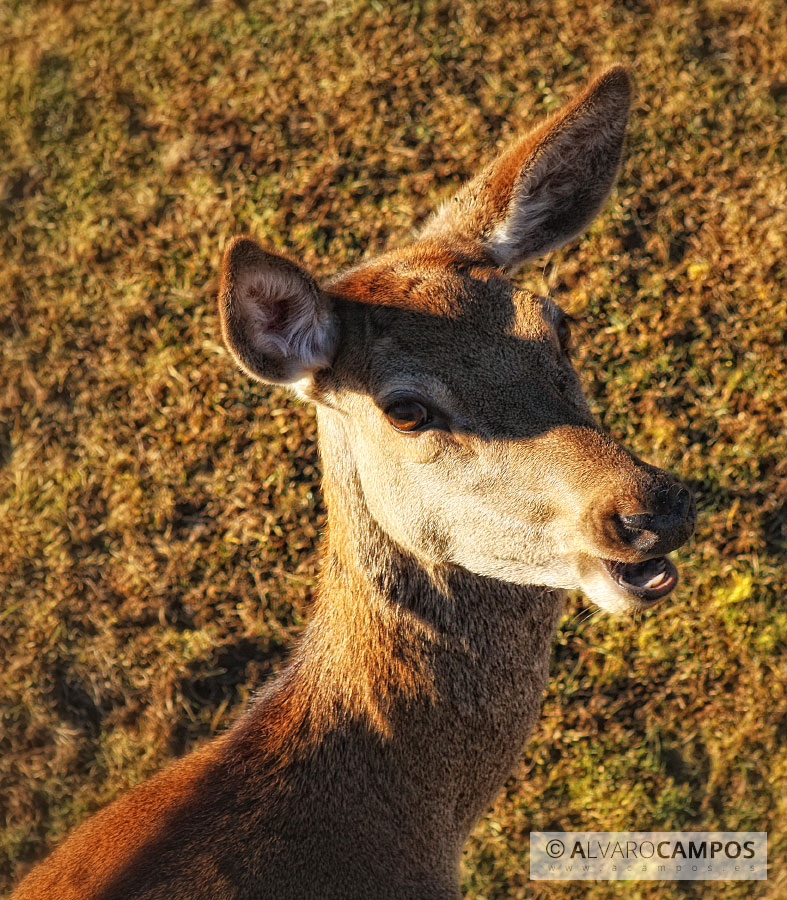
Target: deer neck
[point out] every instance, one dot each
(441, 671)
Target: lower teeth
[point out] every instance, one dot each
(656, 581)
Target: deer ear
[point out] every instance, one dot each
(549, 185)
(276, 322)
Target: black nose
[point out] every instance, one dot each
(663, 528)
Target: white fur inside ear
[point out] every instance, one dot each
(543, 188)
(582, 156)
(302, 388)
(527, 214)
(284, 318)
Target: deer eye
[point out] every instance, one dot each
(563, 329)
(408, 415)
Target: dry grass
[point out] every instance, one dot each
(160, 514)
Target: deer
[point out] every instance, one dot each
(468, 486)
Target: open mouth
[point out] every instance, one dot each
(649, 580)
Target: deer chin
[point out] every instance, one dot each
(619, 587)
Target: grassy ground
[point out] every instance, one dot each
(160, 515)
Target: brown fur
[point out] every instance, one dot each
(360, 770)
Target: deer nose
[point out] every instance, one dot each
(662, 528)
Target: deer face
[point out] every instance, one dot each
(468, 429)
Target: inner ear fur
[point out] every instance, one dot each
(549, 184)
(276, 322)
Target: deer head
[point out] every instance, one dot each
(463, 422)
